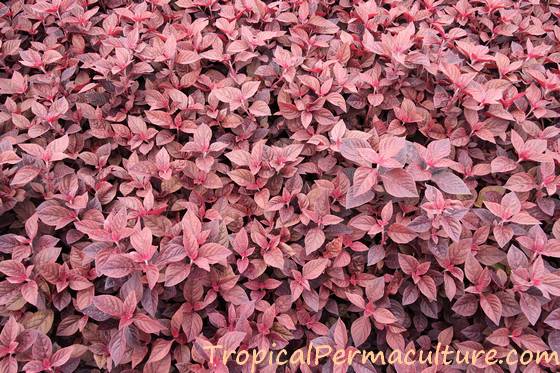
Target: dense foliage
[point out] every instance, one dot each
(267, 174)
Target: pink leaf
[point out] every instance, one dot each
(399, 183)
(450, 183)
(60, 357)
(109, 304)
(314, 268)
(384, 316)
(56, 216)
(260, 109)
(117, 266)
(314, 239)
(360, 330)
(553, 319)
(492, 307)
(25, 175)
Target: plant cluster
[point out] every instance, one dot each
(258, 174)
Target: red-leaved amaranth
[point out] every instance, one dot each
(179, 174)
